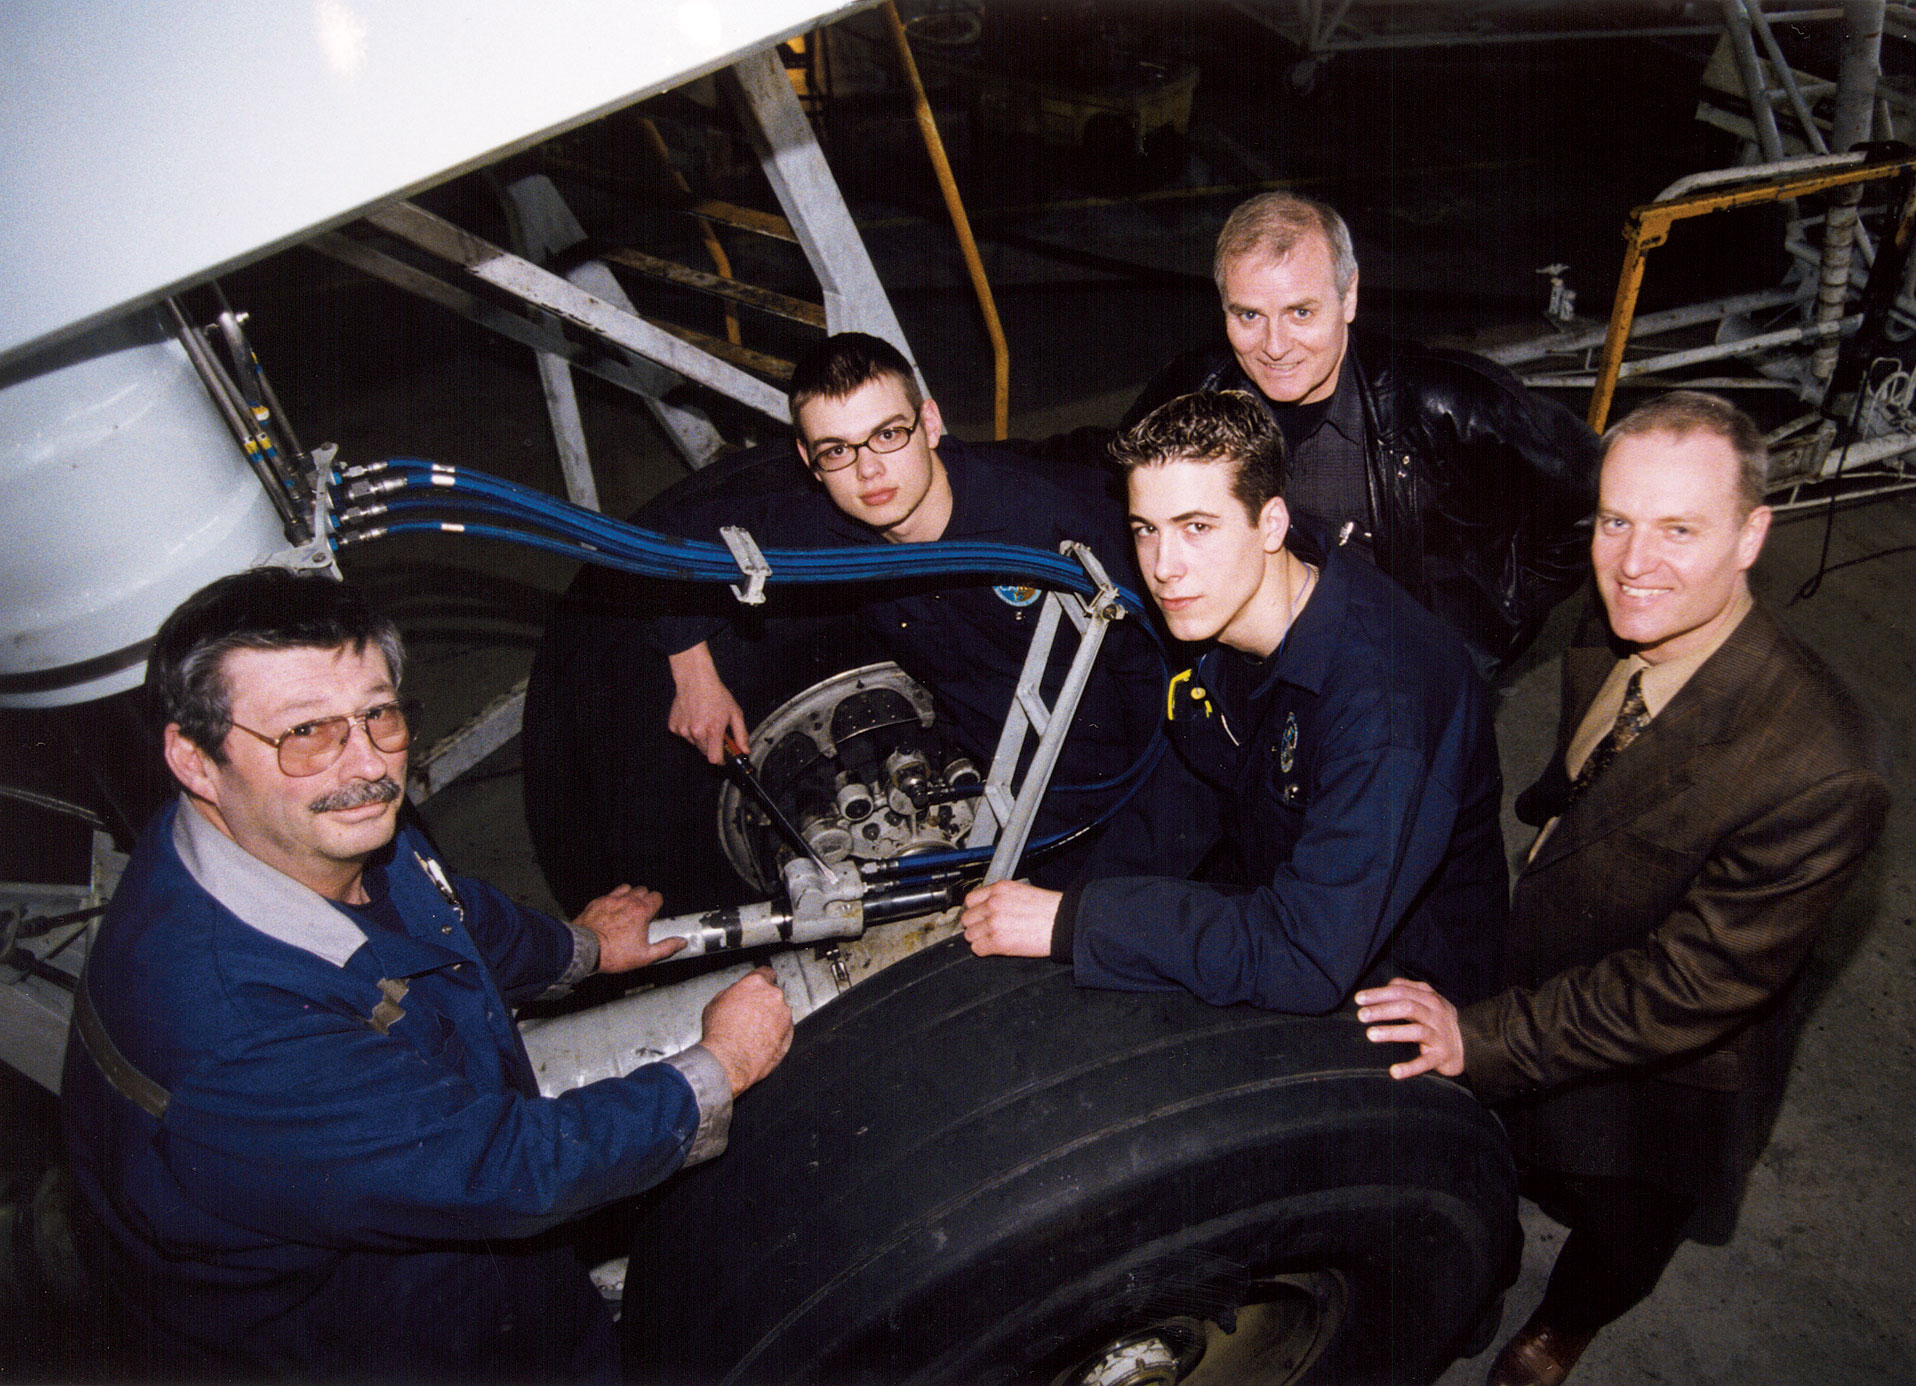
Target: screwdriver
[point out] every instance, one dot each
(738, 762)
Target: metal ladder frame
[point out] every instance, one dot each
(1004, 818)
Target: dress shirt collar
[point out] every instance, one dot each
(1661, 683)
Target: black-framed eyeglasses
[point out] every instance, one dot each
(836, 456)
(307, 748)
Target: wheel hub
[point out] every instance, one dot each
(1272, 1338)
(860, 765)
(1156, 1357)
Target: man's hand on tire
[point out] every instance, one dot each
(1427, 1021)
(1010, 919)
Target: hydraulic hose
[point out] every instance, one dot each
(408, 496)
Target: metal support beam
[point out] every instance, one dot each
(1746, 346)
(543, 227)
(788, 151)
(1755, 89)
(734, 291)
(33, 1026)
(541, 332)
(1805, 120)
(546, 291)
(461, 749)
(1855, 107)
(38, 972)
(568, 430)
(1549, 344)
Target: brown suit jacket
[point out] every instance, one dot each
(1659, 930)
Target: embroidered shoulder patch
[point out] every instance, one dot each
(1019, 594)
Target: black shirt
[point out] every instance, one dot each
(1329, 487)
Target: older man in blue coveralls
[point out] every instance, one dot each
(296, 1103)
(1334, 736)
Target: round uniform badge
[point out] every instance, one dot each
(1287, 745)
(1018, 595)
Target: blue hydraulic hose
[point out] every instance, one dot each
(690, 559)
(559, 527)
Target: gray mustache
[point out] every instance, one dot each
(357, 794)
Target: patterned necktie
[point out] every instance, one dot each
(1632, 717)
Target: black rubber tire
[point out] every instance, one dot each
(971, 1170)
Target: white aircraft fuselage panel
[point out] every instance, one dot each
(151, 147)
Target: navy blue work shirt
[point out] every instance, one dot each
(1355, 775)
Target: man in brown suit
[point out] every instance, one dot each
(1715, 792)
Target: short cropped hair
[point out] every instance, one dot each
(1230, 427)
(1273, 223)
(259, 609)
(1682, 412)
(846, 362)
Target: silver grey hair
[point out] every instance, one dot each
(1273, 223)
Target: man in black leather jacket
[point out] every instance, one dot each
(1438, 466)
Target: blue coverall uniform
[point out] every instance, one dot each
(1355, 775)
(347, 1166)
(965, 638)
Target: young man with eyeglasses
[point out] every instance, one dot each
(296, 1104)
(877, 466)
(870, 440)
